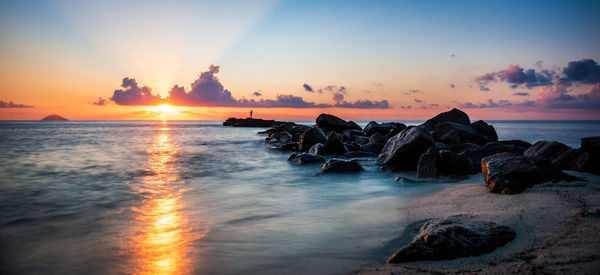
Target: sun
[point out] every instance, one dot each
(165, 108)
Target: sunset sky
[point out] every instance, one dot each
(385, 60)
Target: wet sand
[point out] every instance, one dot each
(557, 225)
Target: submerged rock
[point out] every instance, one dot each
(402, 151)
(341, 166)
(453, 237)
(305, 158)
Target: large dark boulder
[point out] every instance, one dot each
(374, 127)
(311, 137)
(427, 166)
(451, 163)
(555, 152)
(279, 138)
(516, 142)
(374, 148)
(250, 122)
(353, 126)
(305, 158)
(590, 145)
(454, 115)
(334, 145)
(452, 132)
(402, 152)
(509, 173)
(331, 123)
(341, 166)
(453, 237)
(316, 149)
(485, 129)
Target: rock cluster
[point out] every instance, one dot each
(250, 122)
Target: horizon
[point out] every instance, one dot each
(292, 60)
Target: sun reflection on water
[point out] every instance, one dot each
(161, 239)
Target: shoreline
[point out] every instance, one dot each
(557, 227)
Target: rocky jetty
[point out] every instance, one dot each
(250, 122)
(54, 117)
(447, 145)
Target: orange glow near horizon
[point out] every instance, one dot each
(161, 239)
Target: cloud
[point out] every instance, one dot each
(368, 91)
(413, 91)
(308, 88)
(452, 85)
(558, 97)
(418, 100)
(453, 55)
(132, 94)
(584, 71)
(377, 84)
(521, 94)
(100, 102)
(208, 91)
(489, 104)
(10, 104)
(405, 107)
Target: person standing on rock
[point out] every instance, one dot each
(250, 113)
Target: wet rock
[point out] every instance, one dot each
(452, 163)
(352, 146)
(361, 140)
(250, 122)
(305, 158)
(427, 166)
(454, 115)
(374, 148)
(293, 146)
(352, 133)
(334, 145)
(452, 132)
(353, 126)
(316, 149)
(402, 151)
(453, 237)
(509, 173)
(341, 166)
(279, 138)
(590, 145)
(329, 122)
(311, 137)
(357, 154)
(516, 142)
(485, 129)
(398, 127)
(555, 152)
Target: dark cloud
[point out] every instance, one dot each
(413, 91)
(10, 104)
(405, 107)
(453, 55)
(207, 90)
(100, 102)
(418, 100)
(521, 94)
(489, 104)
(516, 76)
(584, 71)
(452, 85)
(308, 88)
(558, 97)
(132, 94)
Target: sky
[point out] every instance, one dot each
(361, 60)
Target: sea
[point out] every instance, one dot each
(194, 197)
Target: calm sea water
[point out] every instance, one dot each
(177, 197)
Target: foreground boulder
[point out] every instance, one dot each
(456, 133)
(402, 152)
(305, 158)
(250, 122)
(590, 145)
(549, 150)
(341, 166)
(509, 173)
(453, 237)
(427, 166)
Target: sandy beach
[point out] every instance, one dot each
(557, 226)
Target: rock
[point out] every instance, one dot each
(427, 166)
(577, 160)
(549, 150)
(377, 138)
(353, 126)
(352, 133)
(402, 151)
(361, 139)
(305, 158)
(54, 117)
(398, 127)
(357, 154)
(374, 127)
(516, 142)
(453, 237)
(374, 148)
(485, 129)
(451, 163)
(341, 166)
(334, 145)
(590, 145)
(311, 137)
(454, 115)
(352, 146)
(279, 138)
(316, 149)
(250, 122)
(452, 132)
(510, 173)
(293, 146)
(331, 123)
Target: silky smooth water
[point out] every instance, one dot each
(175, 197)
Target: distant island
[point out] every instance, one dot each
(54, 117)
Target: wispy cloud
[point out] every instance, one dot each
(10, 104)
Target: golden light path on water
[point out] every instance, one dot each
(161, 240)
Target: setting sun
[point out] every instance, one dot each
(165, 108)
